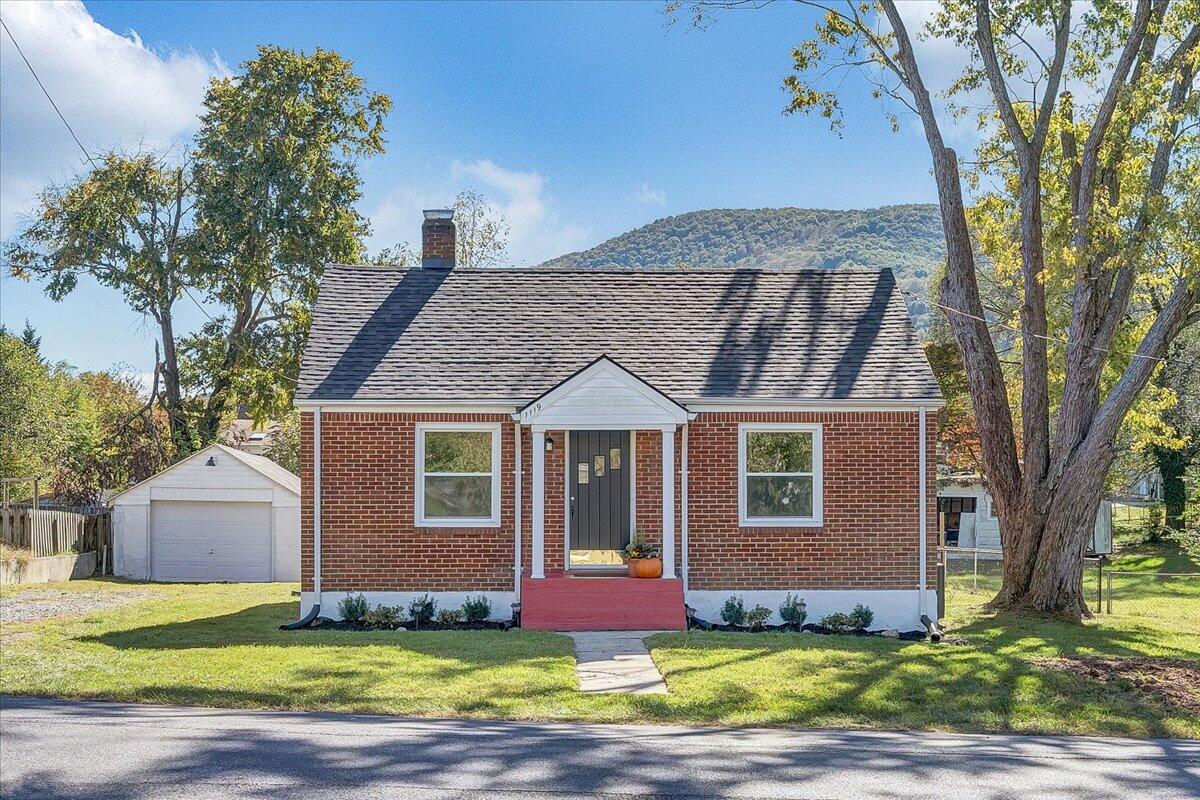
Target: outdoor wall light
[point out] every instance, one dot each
(212, 461)
(549, 445)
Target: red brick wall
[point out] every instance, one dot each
(368, 540)
(868, 539)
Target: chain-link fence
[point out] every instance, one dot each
(972, 577)
(1161, 595)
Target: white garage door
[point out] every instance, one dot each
(192, 541)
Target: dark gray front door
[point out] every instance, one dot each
(600, 475)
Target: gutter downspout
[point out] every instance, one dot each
(317, 504)
(517, 474)
(683, 508)
(921, 482)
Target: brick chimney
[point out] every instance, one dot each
(437, 239)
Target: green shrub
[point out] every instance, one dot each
(422, 609)
(793, 610)
(758, 616)
(352, 607)
(734, 610)
(383, 617)
(476, 609)
(449, 616)
(862, 616)
(838, 622)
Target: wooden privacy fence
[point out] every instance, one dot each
(49, 533)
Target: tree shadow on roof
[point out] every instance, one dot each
(750, 335)
(377, 336)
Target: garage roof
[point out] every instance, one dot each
(268, 468)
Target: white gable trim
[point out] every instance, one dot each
(210, 450)
(604, 395)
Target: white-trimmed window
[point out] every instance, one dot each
(779, 474)
(458, 475)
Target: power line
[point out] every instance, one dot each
(1023, 332)
(42, 86)
(197, 302)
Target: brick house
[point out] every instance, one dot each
(506, 431)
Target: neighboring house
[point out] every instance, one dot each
(967, 518)
(965, 513)
(218, 515)
(1139, 489)
(247, 435)
(505, 431)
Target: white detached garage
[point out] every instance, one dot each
(218, 515)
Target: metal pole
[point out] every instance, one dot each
(1109, 609)
(1099, 582)
(941, 595)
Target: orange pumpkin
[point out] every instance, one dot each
(647, 568)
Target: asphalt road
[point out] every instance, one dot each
(106, 750)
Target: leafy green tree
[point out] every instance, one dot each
(283, 446)
(126, 441)
(125, 225)
(42, 414)
(246, 222)
(30, 338)
(1094, 208)
(1181, 376)
(276, 179)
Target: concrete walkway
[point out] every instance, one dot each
(88, 751)
(616, 661)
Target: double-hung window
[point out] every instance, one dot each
(779, 474)
(458, 475)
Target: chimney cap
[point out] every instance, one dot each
(439, 213)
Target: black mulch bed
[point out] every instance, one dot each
(326, 624)
(695, 623)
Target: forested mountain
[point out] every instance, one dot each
(906, 238)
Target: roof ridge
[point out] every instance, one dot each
(690, 270)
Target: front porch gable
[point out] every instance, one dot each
(602, 396)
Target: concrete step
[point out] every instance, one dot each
(574, 603)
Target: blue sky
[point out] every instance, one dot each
(578, 120)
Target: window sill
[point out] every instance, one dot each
(781, 522)
(458, 523)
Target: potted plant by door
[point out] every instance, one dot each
(642, 559)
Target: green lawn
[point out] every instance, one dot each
(218, 645)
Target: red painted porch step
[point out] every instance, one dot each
(573, 603)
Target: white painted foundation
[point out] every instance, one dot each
(894, 608)
(501, 601)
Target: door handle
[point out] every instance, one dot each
(572, 505)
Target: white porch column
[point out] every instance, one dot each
(668, 500)
(539, 502)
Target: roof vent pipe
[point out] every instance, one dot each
(437, 239)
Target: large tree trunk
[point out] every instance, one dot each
(1044, 548)
(244, 321)
(181, 433)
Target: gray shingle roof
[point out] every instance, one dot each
(510, 334)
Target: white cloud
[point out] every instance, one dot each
(536, 230)
(115, 92)
(647, 195)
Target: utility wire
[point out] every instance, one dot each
(42, 86)
(1023, 332)
(197, 302)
